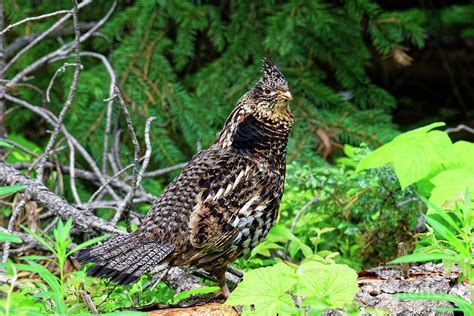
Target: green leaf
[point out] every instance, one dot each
(446, 190)
(11, 189)
(333, 284)
(4, 237)
(4, 144)
(264, 248)
(460, 302)
(463, 152)
(87, 244)
(35, 258)
(414, 155)
(265, 289)
(44, 273)
(423, 257)
(444, 232)
(39, 239)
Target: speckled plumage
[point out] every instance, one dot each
(222, 204)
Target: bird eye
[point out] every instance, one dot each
(267, 91)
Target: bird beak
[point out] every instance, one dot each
(287, 95)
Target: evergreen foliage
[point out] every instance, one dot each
(188, 62)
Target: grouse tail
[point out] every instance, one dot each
(124, 258)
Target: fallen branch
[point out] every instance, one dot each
(82, 219)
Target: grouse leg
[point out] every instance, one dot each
(221, 281)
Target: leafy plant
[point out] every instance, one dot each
(450, 238)
(17, 302)
(284, 289)
(54, 287)
(428, 159)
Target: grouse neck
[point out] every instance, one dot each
(254, 136)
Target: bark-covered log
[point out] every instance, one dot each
(377, 286)
(82, 218)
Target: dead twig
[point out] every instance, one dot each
(44, 34)
(51, 119)
(124, 206)
(82, 219)
(33, 18)
(63, 50)
(2, 77)
(69, 100)
(87, 299)
(301, 211)
(16, 211)
(460, 127)
(61, 69)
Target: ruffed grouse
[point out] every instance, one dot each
(222, 204)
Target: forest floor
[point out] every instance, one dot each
(377, 285)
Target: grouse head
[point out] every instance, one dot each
(270, 95)
(263, 110)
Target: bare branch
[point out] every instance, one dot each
(16, 211)
(301, 211)
(20, 147)
(124, 206)
(460, 127)
(72, 173)
(21, 42)
(136, 181)
(51, 119)
(61, 69)
(159, 172)
(46, 33)
(109, 100)
(2, 76)
(34, 18)
(87, 299)
(82, 219)
(96, 193)
(69, 100)
(63, 50)
(91, 176)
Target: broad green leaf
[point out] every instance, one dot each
(11, 189)
(334, 284)
(421, 130)
(423, 257)
(264, 248)
(463, 152)
(4, 237)
(460, 302)
(265, 288)
(283, 232)
(450, 185)
(413, 154)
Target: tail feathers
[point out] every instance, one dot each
(124, 258)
